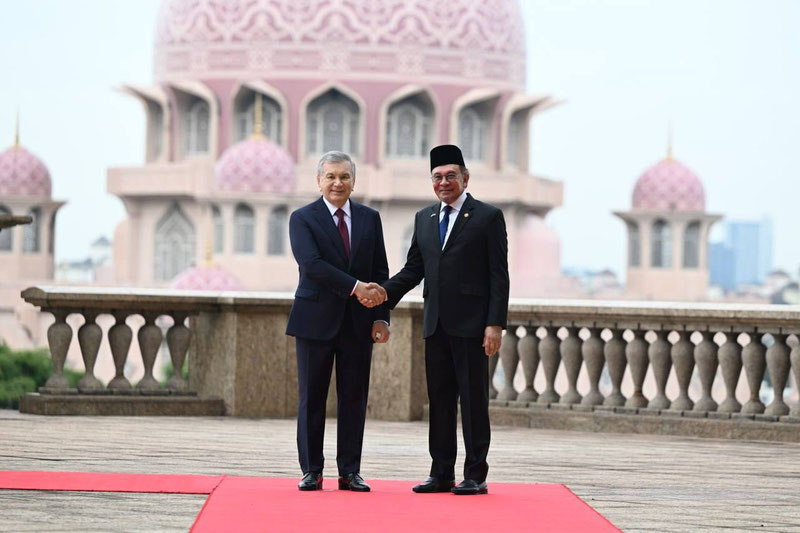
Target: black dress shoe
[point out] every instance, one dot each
(434, 484)
(353, 482)
(469, 486)
(311, 481)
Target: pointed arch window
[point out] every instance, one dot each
(219, 230)
(473, 131)
(174, 244)
(271, 119)
(244, 226)
(661, 242)
(517, 138)
(634, 245)
(332, 123)
(7, 234)
(691, 245)
(32, 234)
(277, 230)
(196, 128)
(409, 128)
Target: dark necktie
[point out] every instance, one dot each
(443, 224)
(343, 232)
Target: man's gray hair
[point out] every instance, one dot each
(335, 156)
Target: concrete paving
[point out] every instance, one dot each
(639, 482)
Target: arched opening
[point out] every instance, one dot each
(219, 230)
(32, 234)
(271, 116)
(332, 123)
(661, 242)
(474, 124)
(691, 245)
(244, 226)
(277, 230)
(409, 127)
(174, 244)
(634, 245)
(196, 127)
(7, 234)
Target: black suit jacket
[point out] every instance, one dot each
(327, 277)
(466, 283)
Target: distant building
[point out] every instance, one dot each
(745, 256)
(95, 268)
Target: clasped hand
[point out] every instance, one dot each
(370, 294)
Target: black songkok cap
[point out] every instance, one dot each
(446, 154)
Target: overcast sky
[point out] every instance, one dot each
(723, 72)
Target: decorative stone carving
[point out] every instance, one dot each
(754, 358)
(778, 366)
(150, 338)
(571, 355)
(89, 337)
(615, 358)
(59, 336)
(730, 362)
(593, 356)
(551, 359)
(636, 353)
(528, 348)
(683, 361)
(661, 362)
(705, 355)
(119, 338)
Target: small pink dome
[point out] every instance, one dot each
(23, 174)
(669, 186)
(211, 278)
(255, 165)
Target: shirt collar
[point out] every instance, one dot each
(457, 205)
(332, 208)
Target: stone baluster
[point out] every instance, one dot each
(492, 368)
(59, 336)
(593, 356)
(661, 362)
(615, 359)
(705, 356)
(778, 366)
(730, 362)
(754, 358)
(795, 360)
(119, 338)
(636, 353)
(89, 337)
(551, 359)
(528, 348)
(683, 361)
(571, 355)
(150, 338)
(509, 358)
(178, 338)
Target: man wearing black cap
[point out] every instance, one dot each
(460, 249)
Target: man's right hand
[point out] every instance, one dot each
(370, 294)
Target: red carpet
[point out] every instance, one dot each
(246, 504)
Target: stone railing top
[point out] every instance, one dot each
(9, 221)
(540, 312)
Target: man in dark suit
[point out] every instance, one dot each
(460, 248)
(336, 242)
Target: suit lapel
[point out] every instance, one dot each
(464, 215)
(356, 227)
(432, 226)
(326, 222)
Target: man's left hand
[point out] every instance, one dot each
(380, 332)
(492, 336)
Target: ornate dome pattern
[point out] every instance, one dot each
(255, 165)
(23, 174)
(452, 39)
(669, 186)
(211, 278)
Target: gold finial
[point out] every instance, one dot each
(258, 125)
(669, 141)
(16, 132)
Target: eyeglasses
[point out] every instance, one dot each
(450, 176)
(330, 178)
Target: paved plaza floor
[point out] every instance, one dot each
(639, 482)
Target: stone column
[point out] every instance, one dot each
(615, 358)
(593, 356)
(59, 335)
(571, 355)
(705, 355)
(89, 337)
(119, 339)
(662, 363)
(510, 360)
(551, 359)
(178, 337)
(683, 361)
(636, 353)
(795, 360)
(150, 338)
(528, 349)
(754, 357)
(730, 362)
(778, 366)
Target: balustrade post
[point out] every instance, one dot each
(795, 360)
(730, 362)
(683, 361)
(59, 336)
(119, 339)
(636, 352)
(571, 355)
(592, 350)
(705, 355)
(528, 348)
(661, 361)
(510, 360)
(616, 361)
(778, 366)
(492, 368)
(89, 337)
(150, 338)
(178, 338)
(551, 359)
(754, 358)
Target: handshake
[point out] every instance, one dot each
(370, 294)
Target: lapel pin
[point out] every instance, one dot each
(433, 214)
(466, 215)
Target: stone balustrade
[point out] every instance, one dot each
(617, 357)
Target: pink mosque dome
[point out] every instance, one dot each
(206, 278)
(669, 186)
(23, 174)
(386, 40)
(255, 165)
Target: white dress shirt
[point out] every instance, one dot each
(455, 209)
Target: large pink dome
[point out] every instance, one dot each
(211, 278)
(669, 186)
(452, 41)
(23, 174)
(255, 165)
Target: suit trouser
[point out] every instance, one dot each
(352, 355)
(457, 367)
